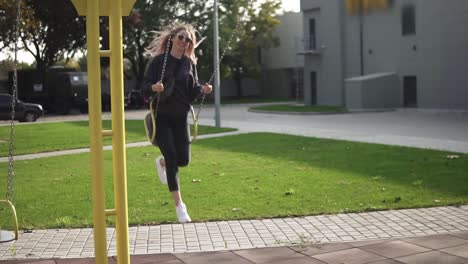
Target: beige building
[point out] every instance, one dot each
(282, 67)
(413, 54)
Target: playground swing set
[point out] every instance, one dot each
(93, 9)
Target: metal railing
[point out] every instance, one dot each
(309, 45)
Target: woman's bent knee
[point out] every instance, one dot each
(183, 162)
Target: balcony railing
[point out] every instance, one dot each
(309, 46)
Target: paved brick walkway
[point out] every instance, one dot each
(245, 234)
(436, 249)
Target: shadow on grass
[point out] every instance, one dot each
(406, 166)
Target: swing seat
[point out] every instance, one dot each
(150, 127)
(195, 125)
(7, 236)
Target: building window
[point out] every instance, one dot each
(408, 20)
(312, 35)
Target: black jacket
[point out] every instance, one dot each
(186, 86)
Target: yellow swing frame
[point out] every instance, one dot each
(15, 222)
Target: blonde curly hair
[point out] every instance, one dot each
(159, 43)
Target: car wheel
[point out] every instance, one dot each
(30, 117)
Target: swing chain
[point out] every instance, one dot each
(234, 32)
(10, 194)
(165, 57)
(162, 77)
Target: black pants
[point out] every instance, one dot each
(173, 140)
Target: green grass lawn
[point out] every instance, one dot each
(247, 101)
(43, 137)
(246, 176)
(299, 108)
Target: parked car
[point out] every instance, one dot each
(58, 89)
(24, 112)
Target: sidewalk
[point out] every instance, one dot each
(434, 234)
(445, 249)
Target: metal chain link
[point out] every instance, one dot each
(234, 32)
(10, 194)
(166, 53)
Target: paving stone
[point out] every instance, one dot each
(299, 260)
(156, 258)
(348, 256)
(212, 257)
(461, 251)
(268, 255)
(76, 261)
(368, 242)
(394, 249)
(387, 261)
(432, 257)
(463, 235)
(437, 241)
(35, 262)
(316, 249)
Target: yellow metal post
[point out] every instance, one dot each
(118, 128)
(95, 127)
(92, 9)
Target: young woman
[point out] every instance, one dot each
(179, 88)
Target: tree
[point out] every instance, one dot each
(256, 26)
(8, 65)
(7, 19)
(257, 32)
(83, 63)
(8, 16)
(55, 32)
(146, 16)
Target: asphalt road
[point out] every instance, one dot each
(443, 130)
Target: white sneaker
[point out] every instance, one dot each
(161, 170)
(182, 214)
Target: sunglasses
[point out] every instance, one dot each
(182, 37)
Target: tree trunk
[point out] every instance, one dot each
(41, 65)
(238, 81)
